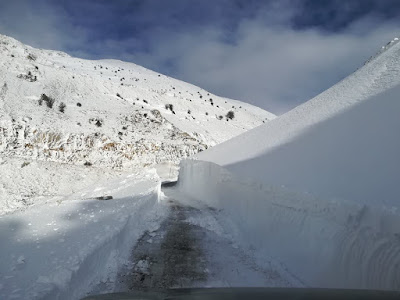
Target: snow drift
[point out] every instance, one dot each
(323, 243)
(317, 188)
(63, 250)
(343, 143)
(353, 155)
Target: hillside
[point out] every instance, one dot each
(107, 113)
(63, 120)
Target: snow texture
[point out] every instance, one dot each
(319, 242)
(61, 250)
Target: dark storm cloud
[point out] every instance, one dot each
(275, 54)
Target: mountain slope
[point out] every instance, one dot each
(107, 113)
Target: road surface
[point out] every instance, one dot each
(191, 250)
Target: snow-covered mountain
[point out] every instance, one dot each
(107, 113)
(63, 120)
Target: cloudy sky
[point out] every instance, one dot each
(274, 54)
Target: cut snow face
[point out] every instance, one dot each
(319, 242)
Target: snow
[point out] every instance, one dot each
(114, 120)
(317, 188)
(61, 250)
(341, 144)
(125, 100)
(308, 199)
(319, 242)
(25, 182)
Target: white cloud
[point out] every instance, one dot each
(263, 60)
(274, 67)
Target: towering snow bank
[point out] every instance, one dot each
(323, 243)
(342, 147)
(343, 143)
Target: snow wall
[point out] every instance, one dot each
(323, 243)
(351, 155)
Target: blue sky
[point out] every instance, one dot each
(274, 54)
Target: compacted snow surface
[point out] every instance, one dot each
(59, 250)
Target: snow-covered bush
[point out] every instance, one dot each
(169, 107)
(230, 115)
(61, 107)
(31, 56)
(48, 100)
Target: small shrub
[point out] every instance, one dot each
(189, 112)
(87, 164)
(49, 101)
(79, 104)
(62, 107)
(145, 101)
(119, 96)
(169, 107)
(220, 117)
(24, 164)
(230, 115)
(98, 123)
(206, 113)
(31, 57)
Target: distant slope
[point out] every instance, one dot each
(115, 114)
(343, 143)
